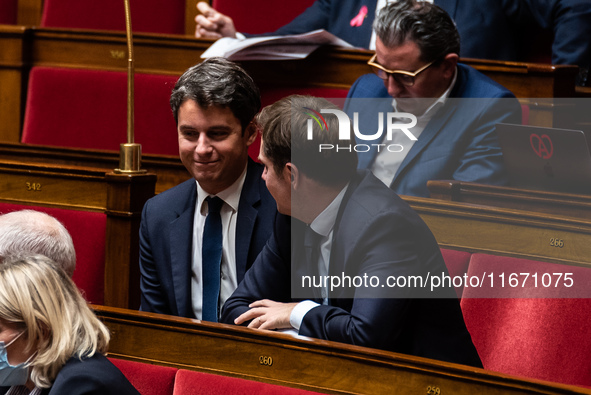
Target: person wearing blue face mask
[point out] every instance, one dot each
(50, 341)
(12, 374)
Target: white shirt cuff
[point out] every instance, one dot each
(299, 311)
(240, 36)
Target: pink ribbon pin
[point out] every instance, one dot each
(358, 20)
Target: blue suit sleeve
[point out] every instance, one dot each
(152, 297)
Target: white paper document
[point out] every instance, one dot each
(296, 46)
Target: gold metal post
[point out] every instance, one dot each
(130, 154)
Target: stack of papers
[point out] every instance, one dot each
(297, 46)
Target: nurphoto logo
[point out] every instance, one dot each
(392, 121)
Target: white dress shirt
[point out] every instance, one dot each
(323, 224)
(387, 163)
(228, 214)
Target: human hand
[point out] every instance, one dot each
(267, 314)
(212, 24)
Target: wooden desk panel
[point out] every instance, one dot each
(503, 231)
(172, 55)
(554, 203)
(334, 67)
(45, 184)
(315, 365)
(169, 169)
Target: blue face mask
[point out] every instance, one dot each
(11, 375)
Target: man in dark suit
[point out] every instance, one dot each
(455, 107)
(344, 224)
(190, 259)
(489, 29)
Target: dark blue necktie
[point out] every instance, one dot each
(211, 256)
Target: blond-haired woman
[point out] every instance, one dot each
(50, 340)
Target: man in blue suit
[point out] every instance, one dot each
(454, 107)
(344, 225)
(489, 29)
(198, 239)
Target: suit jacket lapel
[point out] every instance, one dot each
(434, 126)
(181, 243)
(247, 216)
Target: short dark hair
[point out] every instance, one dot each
(423, 23)
(284, 126)
(218, 82)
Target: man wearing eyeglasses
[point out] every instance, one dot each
(416, 71)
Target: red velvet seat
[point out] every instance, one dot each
(8, 12)
(518, 332)
(88, 231)
(88, 109)
(457, 265)
(260, 16)
(146, 378)
(147, 16)
(192, 383)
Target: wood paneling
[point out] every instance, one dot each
(311, 364)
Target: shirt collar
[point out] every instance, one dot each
(230, 195)
(325, 221)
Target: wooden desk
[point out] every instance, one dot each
(22, 48)
(120, 196)
(315, 365)
(504, 231)
(169, 169)
(554, 203)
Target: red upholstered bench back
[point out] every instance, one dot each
(8, 12)
(541, 338)
(88, 231)
(148, 16)
(196, 383)
(270, 94)
(260, 16)
(457, 265)
(88, 109)
(146, 378)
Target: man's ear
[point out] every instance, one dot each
(449, 63)
(291, 174)
(251, 132)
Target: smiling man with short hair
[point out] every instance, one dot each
(198, 239)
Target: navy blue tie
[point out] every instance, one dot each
(211, 258)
